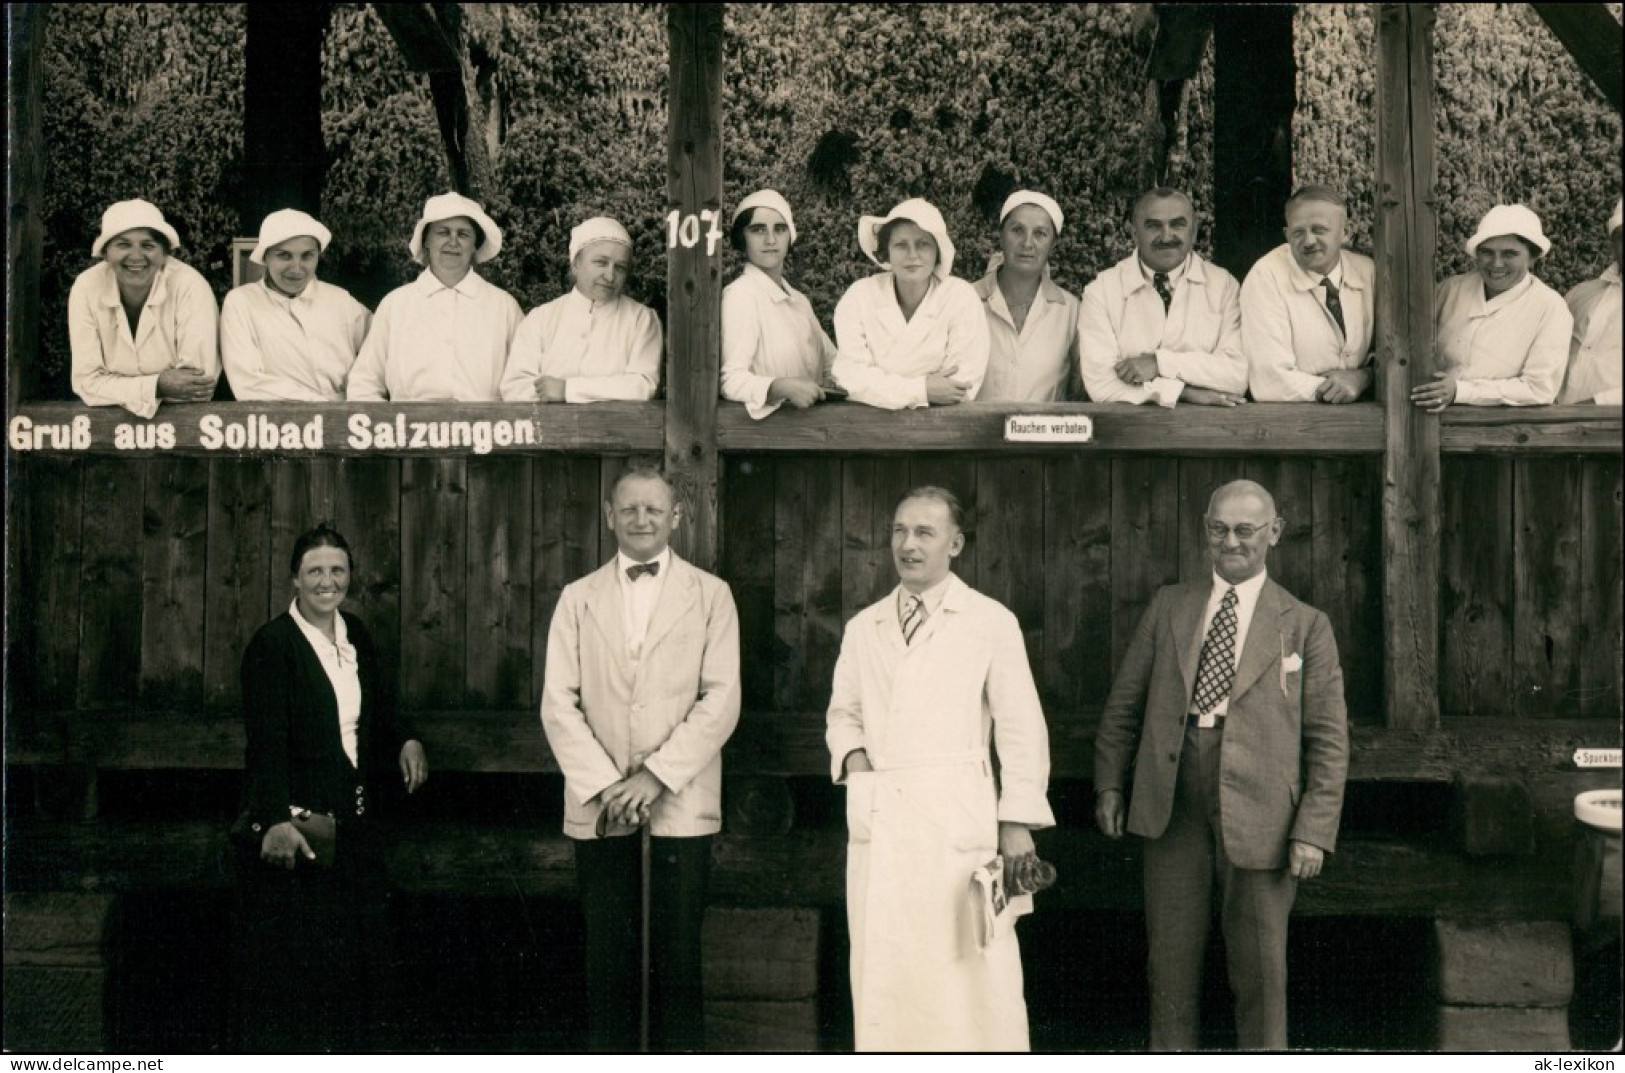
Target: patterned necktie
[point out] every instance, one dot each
(913, 618)
(1160, 282)
(1334, 304)
(1216, 668)
(637, 570)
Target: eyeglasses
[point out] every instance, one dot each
(1218, 530)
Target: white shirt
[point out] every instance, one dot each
(432, 342)
(638, 598)
(1197, 339)
(1289, 336)
(297, 349)
(601, 350)
(178, 329)
(1035, 364)
(931, 599)
(338, 659)
(1509, 350)
(768, 331)
(1594, 353)
(884, 359)
(1246, 599)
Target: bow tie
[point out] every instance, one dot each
(637, 570)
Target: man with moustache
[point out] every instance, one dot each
(641, 692)
(1306, 308)
(1229, 710)
(932, 683)
(1163, 325)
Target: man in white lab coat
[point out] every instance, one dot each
(931, 682)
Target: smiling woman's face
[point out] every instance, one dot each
(135, 255)
(322, 581)
(1503, 261)
(911, 252)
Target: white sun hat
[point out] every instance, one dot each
(444, 207)
(122, 216)
(1033, 197)
(1517, 220)
(597, 229)
(284, 224)
(923, 215)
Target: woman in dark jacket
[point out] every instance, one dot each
(323, 739)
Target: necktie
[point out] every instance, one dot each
(1334, 304)
(1160, 282)
(913, 618)
(637, 570)
(1216, 668)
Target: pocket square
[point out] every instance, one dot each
(1292, 664)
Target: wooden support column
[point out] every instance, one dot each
(25, 228)
(1406, 233)
(694, 273)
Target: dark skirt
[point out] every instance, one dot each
(312, 946)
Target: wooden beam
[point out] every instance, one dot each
(1527, 430)
(694, 272)
(1590, 32)
(1406, 227)
(1257, 428)
(25, 167)
(437, 429)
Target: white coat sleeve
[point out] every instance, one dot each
(1611, 397)
(524, 363)
(642, 375)
(843, 722)
(1266, 338)
(969, 341)
(1019, 736)
(588, 769)
(366, 382)
(741, 334)
(1099, 353)
(1224, 368)
(244, 361)
(1542, 374)
(698, 738)
(93, 381)
(855, 368)
(197, 326)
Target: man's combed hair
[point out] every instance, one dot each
(956, 510)
(645, 468)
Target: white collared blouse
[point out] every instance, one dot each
(601, 350)
(178, 329)
(433, 342)
(1037, 363)
(1594, 353)
(298, 349)
(1509, 350)
(768, 332)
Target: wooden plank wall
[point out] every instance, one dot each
(143, 579)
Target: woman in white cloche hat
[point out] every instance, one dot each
(142, 326)
(1500, 336)
(912, 335)
(289, 335)
(445, 335)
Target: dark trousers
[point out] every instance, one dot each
(609, 873)
(1181, 870)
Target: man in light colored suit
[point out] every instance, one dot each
(641, 692)
(1163, 325)
(1229, 709)
(1306, 308)
(931, 682)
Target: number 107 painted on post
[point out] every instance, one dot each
(685, 230)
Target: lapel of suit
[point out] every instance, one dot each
(676, 597)
(1186, 622)
(888, 627)
(604, 608)
(1263, 646)
(951, 602)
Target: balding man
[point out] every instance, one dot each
(1163, 325)
(1228, 709)
(1306, 308)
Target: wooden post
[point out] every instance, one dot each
(284, 157)
(25, 163)
(694, 272)
(1406, 232)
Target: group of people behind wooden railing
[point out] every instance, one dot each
(1163, 325)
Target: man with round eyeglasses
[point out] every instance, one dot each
(1229, 711)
